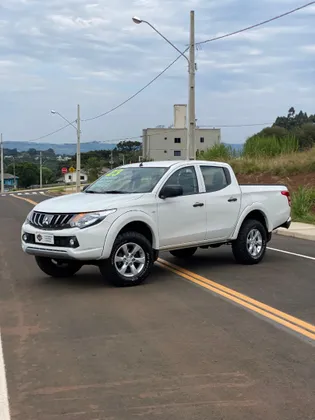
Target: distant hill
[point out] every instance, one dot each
(60, 149)
(70, 148)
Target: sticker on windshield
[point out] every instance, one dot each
(115, 172)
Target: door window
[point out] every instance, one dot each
(186, 178)
(214, 178)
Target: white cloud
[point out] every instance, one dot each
(65, 52)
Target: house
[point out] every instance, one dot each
(71, 178)
(10, 181)
(163, 143)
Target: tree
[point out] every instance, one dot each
(130, 149)
(32, 152)
(94, 168)
(48, 175)
(300, 125)
(27, 172)
(128, 146)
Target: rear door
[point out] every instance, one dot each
(182, 220)
(223, 201)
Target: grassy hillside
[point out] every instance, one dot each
(275, 161)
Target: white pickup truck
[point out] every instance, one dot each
(124, 219)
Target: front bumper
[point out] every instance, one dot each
(87, 244)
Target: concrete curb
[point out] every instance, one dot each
(298, 231)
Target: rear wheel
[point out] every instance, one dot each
(58, 268)
(250, 246)
(130, 262)
(184, 253)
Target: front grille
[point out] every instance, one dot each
(51, 221)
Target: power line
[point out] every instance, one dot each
(234, 126)
(49, 134)
(173, 62)
(137, 93)
(257, 24)
(198, 43)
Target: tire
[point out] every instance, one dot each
(183, 253)
(241, 247)
(123, 247)
(58, 268)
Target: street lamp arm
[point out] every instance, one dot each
(65, 119)
(167, 40)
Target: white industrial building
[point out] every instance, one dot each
(171, 143)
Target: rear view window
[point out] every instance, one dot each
(214, 178)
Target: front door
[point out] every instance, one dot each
(182, 220)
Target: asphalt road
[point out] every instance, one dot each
(79, 349)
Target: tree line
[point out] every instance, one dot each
(299, 125)
(26, 165)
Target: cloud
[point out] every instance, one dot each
(59, 53)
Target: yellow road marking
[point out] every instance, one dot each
(269, 312)
(25, 199)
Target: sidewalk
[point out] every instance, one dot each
(298, 230)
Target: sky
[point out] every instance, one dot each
(59, 53)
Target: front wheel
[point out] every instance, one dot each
(250, 246)
(58, 268)
(183, 253)
(130, 262)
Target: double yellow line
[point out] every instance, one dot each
(288, 321)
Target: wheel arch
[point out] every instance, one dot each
(253, 214)
(132, 221)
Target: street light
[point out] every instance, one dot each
(191, 143)
(78, 130)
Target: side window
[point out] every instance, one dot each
(214, 177)
(186, 178)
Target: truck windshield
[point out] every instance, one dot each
(127, 181)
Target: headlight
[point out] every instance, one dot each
(29, 217)
(84, 220)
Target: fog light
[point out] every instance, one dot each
(25, 237)
(72, 242)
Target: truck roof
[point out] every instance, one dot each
(169, 163)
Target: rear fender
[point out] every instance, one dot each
(254, 207)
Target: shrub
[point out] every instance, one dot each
(260, 146)
(219, 152)
(303, 205)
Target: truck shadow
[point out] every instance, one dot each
(89, 277)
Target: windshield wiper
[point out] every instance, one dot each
(115, 192)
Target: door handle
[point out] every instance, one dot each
(198, 205)
(232, 200)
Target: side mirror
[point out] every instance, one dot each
(171, 191)
(85, 187)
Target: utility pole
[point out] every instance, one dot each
(40, 170)
(111, 160)
(2, 165)
(78, 173)
(14, 173)
(191, 135)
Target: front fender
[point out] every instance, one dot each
(121, 222)
(254, 207)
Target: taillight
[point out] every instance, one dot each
(287, 194)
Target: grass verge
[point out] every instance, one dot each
(303, 205)
(295, 169)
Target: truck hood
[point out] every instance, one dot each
(82, 203)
